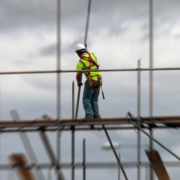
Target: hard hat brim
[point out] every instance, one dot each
(80, 50)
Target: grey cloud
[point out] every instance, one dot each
(26, 13)
(71, 46)
(48, 50)
(161, 29)
(145, 27)
(36, 14)
(145, 32)
(19, 62)
(116, 30)
(51, 49)
(145, 37)
(43, 13)
(41, 82)
(177, 36)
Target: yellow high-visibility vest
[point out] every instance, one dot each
(85, 64)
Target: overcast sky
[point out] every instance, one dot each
(119, 36)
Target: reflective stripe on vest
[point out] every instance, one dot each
(85, 67)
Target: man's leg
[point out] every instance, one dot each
(94, 102)
(87, 95)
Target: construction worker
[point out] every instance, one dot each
(88, 61)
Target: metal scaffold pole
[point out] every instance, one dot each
(84, 159)
(73, 152)
(85, 43)
(119, 168)
(117, 158)
(153, 139)
(92, 70)
(73, 88)
(78, 97)
(87, 24)
(151, 73)
(139, 120)
(58, 85)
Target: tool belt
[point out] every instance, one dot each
(93, 83)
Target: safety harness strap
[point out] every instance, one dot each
(88, 59)
(83, 64)
(89, 77)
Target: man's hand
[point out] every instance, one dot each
(80, 84)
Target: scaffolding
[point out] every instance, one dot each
(109, 124)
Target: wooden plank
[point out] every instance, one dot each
(68, 122)
(160, 171)
(20, 160)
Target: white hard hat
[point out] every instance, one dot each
(79, 46)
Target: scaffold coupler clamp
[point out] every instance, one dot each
(80, 121)
(129, 116)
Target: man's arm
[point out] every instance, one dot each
(78, 78)
(79, 74)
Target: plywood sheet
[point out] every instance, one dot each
(160, 171)
(20, 160)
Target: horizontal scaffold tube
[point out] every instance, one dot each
(175, 120)
(90, 165)
(93, 70)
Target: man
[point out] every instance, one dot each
(93, 81)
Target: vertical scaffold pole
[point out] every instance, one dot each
(73, 100)
(147, 172)
(78, 97)
(84, 159)
(139, 120)
(119, 168)
(85, 43)
(117, 158)
(87, 24)
(58, 84)
(151, 73)
(73, 152)
(0, 129)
